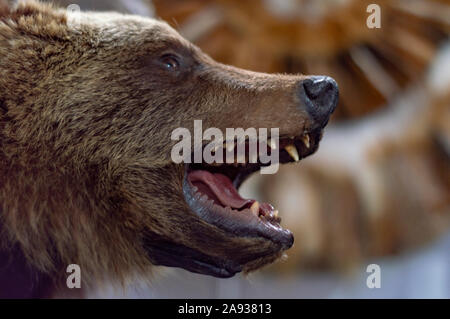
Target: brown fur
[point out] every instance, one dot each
(85, 123)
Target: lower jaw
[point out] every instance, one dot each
(240, 224)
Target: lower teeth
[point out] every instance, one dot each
(255, 208)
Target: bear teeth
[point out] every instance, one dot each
(244, 159)
(305, 139)
(292, 151)
(255, 208)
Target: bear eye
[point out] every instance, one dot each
(170, 62)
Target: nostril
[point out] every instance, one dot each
(318, 85)
(320, 96)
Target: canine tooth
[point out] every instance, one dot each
(272, 144)
(292, 150)
(305, 139)
(255, 208)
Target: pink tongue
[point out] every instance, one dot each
(221, 187)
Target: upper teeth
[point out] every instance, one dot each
(292, 151)
(253, 158)
(305, 139)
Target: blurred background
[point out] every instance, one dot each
(378, 189)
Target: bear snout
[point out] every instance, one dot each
(320, 95)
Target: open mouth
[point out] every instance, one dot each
(211, 191)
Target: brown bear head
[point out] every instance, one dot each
(88, 103)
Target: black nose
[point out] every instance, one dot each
(320, 94)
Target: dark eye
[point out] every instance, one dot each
(170, 62)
